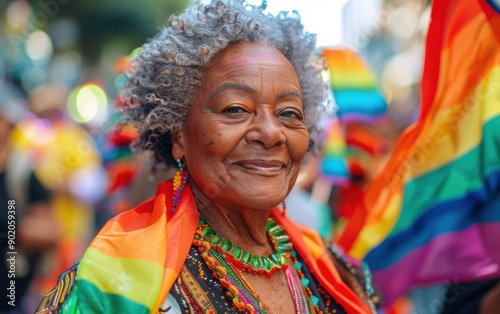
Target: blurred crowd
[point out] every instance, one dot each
(65, 164)
(64, 184)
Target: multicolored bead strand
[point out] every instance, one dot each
(228, 263)
(297, 291)
(179, 182)
(244, 299)
(313, 300)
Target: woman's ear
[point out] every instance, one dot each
(179, 144)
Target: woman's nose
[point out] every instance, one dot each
(266, 129)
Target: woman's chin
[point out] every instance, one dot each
(264, 200)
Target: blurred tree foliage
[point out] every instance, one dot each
(131, 22)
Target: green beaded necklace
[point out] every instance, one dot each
(244, 260)
(228, 263)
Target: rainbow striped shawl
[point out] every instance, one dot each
(135, 259)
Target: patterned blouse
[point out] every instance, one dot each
(197, 291)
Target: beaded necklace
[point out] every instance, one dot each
(228, 263)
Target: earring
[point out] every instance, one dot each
(179, 182)
(283, 209)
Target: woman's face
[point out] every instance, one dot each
(245, 136)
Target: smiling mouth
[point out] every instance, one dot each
(262, 167)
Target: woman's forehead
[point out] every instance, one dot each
(245, 53)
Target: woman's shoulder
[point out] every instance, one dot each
(131, 247)
(136, 213)
(60, 293)
(354, 273)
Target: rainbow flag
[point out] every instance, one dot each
(433, 214)
(334, 165)
(365, 138)
(341, 143)
(354, 86)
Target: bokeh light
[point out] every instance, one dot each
(86, 103)
(17, 16)
(39, 47)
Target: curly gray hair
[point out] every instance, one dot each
(166, 75)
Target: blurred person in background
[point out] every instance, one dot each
(307, 202)
(474, 297)
(131, 178)
(68, 164)
(36, 229)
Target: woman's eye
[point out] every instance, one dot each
(292, 114)
(234, 109)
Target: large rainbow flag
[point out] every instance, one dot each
(433, 214)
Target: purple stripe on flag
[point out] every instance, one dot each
(464, 256)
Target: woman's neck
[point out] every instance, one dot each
(243, 226)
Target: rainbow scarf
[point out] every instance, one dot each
(433, 214)
(135, 259)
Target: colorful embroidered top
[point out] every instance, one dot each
(138, 257)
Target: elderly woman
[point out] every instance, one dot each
(231, 97)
